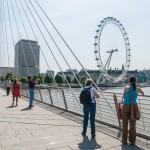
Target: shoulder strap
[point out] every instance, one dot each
(87, 88)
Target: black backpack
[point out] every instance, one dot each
(85, 96)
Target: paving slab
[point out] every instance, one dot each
(39, 129)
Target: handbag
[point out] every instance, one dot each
(135, 112)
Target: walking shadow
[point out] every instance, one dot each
(11, 106)
(4, 95)
(131, 147)
(88, 144)
(26, 109)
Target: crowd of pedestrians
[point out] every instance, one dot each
(88, 98)
(15, 87)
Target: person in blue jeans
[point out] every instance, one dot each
(90, 109)
(31, 85)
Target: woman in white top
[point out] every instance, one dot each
(7, 86)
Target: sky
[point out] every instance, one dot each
(77, 21)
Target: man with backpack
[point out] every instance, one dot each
(87, 98)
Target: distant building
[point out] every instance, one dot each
(69, 72)
(143, 76)
(94, 73)
(27, 56)
(115, 73)
(5, 70)
(50, 72)
(75, 71)
(123, 67)
(147, 73)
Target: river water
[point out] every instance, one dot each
(120, 90)
(106, 110)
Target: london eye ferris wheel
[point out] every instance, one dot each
(104, 66)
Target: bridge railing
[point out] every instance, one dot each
(68, 99)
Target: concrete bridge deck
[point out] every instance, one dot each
(40, 129)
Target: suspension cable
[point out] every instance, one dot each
(12, 37)
(73, 53)
(56, 44)
(28, 40)
(36, 38)
(1, 32)
(27, 35)
(6, 37)
(65, 42)
(52, 53)
(40, 47)
(58, 47)
(3, 41)
(20, 37)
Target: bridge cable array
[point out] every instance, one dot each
(32, 11)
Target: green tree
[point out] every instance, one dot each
(36, 77)
(38, 81)
(23, 80)
(59, 79)
(83, 79)
(1, 78)
(16, 77)
(41, 78)
(8, 76)
(68, 79)
(48, 79)
(75, 80)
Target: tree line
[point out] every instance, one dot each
(48, 79)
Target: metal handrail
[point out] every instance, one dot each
(64, 99)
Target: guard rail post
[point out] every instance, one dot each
(26, 89)
(63, 93)
(40, 94)
(50, 95)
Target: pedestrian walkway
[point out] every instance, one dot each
(40, 129)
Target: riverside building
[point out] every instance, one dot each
(27, 56)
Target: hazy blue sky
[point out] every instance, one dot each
(77, 21)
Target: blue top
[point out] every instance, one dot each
(127, 96)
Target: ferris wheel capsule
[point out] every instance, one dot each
(95, 51)
(95, 37)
